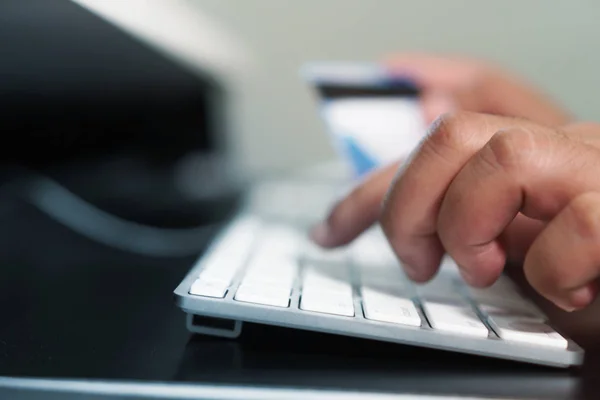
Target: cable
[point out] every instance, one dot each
(82, 217)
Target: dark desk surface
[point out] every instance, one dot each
(72, 308)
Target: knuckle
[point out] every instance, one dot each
(511, 149)
(444, 130)
(584, 212)
(446, 133)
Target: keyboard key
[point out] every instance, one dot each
(239, 236)
(372, 249)
(502, 289)
(271, 263)
(299, 200)
(337, 305)
(280, 240)
(456, 318)
(443, 288)
(230, 254)
(221, 268)
(269, 278)
(392, 285)
(314, 253)
(333, 282)
(511, 310)
(207, 288)
(527, 331)
(386, 307)
(279, 272)
(504, 299)
(326, 294)
(270, 295)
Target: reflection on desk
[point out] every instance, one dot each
(284, 357)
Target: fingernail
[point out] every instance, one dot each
(321, 234)
(566, 308)
(576, 299)
(582, 297)
(411, 271)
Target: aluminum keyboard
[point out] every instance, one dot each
(264, 269)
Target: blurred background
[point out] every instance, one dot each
(549, 43)
(149, 109)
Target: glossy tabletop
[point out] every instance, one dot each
(74, 309)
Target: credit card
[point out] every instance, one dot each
(372, 118)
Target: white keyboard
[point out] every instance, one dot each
(263, 269)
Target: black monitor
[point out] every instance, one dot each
(75, 86)
(100, 111)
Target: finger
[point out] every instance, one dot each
(478, 86)
(356, 212)
(520, 234)
(409, 215)
(563, 264)
(587, 132)
(517, 238)
(536, 171)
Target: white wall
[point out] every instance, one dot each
(554, 43)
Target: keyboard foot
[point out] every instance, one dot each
(212, 326)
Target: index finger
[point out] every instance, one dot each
(409, 215)
(356, 212)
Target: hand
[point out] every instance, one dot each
(452, 83)
(483, 189)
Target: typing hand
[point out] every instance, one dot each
(453, 83)
(447, 84)
(483, 189)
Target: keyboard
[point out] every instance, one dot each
(261, 268)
